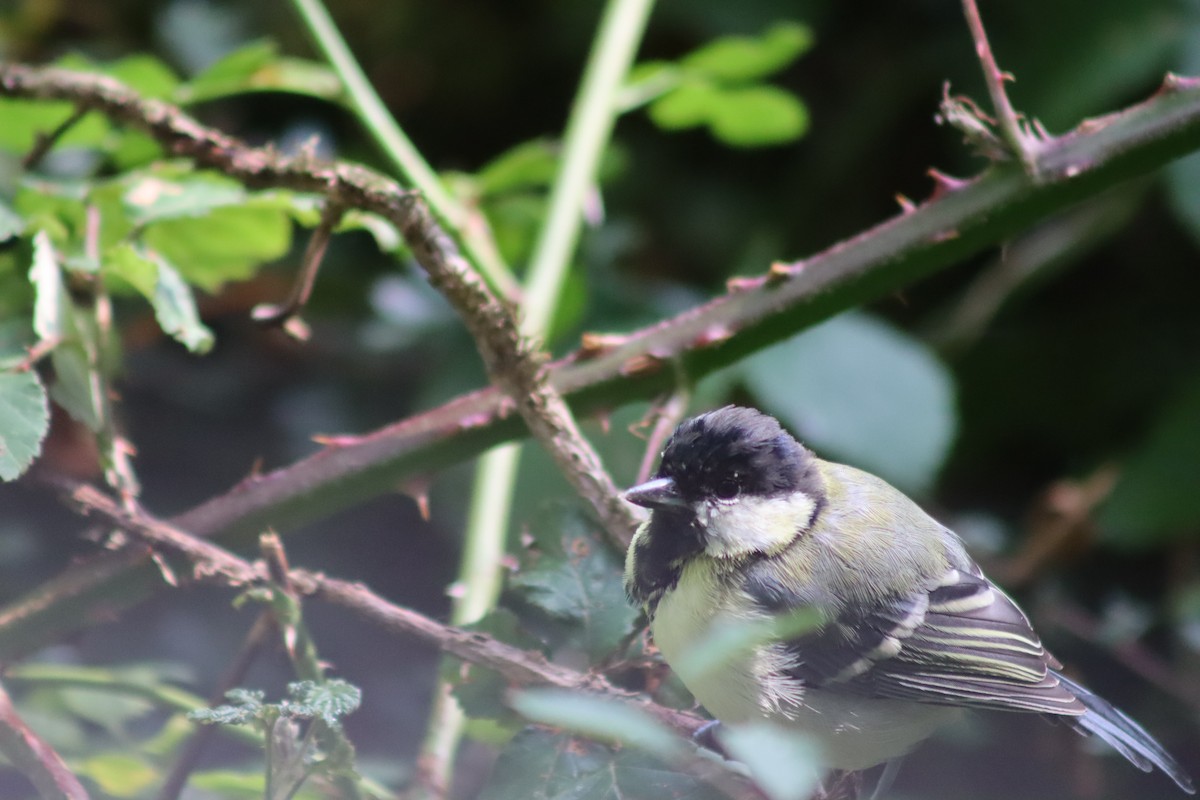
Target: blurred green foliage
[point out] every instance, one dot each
(1088, 357)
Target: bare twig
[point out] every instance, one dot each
(662, 420)
(30, 754)
(189, 755)
(287, 313)
(46, 141)
(1024, 144)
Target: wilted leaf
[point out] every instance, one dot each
(572, 576)
(864, 392)
(24, 419)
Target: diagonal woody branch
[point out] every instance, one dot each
(960, 218)
(513, 363)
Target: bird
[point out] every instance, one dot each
(746, 524)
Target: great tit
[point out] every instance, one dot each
(748, 524)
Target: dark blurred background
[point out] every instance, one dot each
(1075, 363)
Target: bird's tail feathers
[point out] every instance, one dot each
(1125, 736)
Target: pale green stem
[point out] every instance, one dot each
(414, 170)
(589, 130)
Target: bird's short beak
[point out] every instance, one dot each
(658, 493)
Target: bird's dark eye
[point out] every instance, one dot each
(728, 488)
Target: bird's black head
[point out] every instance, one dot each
(732, 452)
(732, 484)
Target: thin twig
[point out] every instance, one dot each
(286, 314)
(1025, 145)
(46, 141)
(189, 755)
(34, 757)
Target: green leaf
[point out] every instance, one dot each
(741, 59)
(226, 244)
(785, 764)
(164, 194)
(571, 575)
(528, 165)
(25, 120)
(175, 310)
(24, 420)
(538, 765)
(864, 392)
(1155, 498)
(599, 718)
(758, 116)
(258, 67)
(72, 387)
(119, 774)
(686, 107)
(328, 700)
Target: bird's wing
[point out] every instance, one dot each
(957, 641)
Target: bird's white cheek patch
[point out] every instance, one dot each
(753, 524)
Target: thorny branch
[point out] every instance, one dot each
(519, 668)
(514, 364)
(959, 219)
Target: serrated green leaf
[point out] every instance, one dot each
(757, 116)
(329, 699)
(599, 718)
(538, 765)
(1155, 498)
(741, 59)
(24, 420)
(864, 392)
(785, 764)
(258, 67)
(226, 244)
(572, 576)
